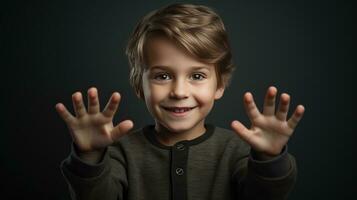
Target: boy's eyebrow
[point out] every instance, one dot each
(168, 68)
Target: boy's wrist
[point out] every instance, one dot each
(85, 165)
(90, 157)
(262, 156)
(276, 166)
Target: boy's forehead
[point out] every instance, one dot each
(161, 52)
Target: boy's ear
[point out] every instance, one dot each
(219, 93)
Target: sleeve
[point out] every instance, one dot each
(105, 180)
(271, 179)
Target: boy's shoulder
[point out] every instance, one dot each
(135, 136)
(227, 137)
(224, 132)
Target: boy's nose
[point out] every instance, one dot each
(179, 90)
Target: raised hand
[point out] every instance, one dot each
(270, 130)
(92, 130)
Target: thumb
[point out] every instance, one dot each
(241, 130)
(121, 129)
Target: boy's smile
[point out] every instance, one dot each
(179, 111)
(179, 90)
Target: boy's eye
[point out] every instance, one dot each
(197, 76)
(162, 76)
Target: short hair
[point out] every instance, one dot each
(198, 29)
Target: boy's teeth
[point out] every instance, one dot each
(180, 110)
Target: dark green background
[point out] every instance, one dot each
(50, 49)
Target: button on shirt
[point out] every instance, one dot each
(179, 157)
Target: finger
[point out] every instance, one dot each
(112, 105)
(64, 113)
(283, 108)
(269, 102)
(250, 107)
(241, 130)
(121, 129)
(93, 101)
(296, 117)
(78, 104)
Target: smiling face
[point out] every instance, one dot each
(179, 90)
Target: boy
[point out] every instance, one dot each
(180, 64)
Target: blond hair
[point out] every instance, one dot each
(196, 28)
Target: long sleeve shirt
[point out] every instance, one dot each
(217, 165)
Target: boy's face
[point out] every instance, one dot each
(179, 90)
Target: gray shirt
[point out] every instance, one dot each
(217, 165)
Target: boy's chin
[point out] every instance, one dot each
(175, 127)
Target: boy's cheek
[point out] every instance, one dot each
(206, 93)
(158, 92)
(154, 96)
(205, 102)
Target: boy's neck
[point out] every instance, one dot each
(168, 138)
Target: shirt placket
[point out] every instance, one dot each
(179, 156)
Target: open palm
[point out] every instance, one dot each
(270, 130)
(91, 129)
